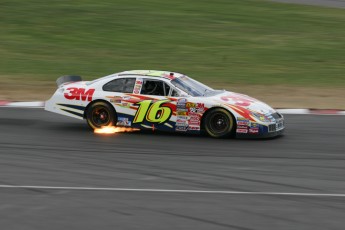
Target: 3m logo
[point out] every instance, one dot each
(79, 93)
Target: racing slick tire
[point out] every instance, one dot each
(100, 114)
(219, 123)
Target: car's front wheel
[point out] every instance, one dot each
(100, 114)
(219, 123)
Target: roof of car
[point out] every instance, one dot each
(152, 73)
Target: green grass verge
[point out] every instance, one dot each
(220, 41)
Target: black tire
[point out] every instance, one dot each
(219, 123)
(100, 114)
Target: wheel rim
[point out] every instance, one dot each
(100, 116)
(219, 123)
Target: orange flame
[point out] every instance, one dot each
(112, 129)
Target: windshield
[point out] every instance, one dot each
(190, 86)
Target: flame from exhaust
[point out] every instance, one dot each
(112, 129)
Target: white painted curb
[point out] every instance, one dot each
(293, 111)
(28, 104)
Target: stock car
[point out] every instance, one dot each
(163, 100)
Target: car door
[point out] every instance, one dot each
(154, 107)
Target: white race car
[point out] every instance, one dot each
(162, 100)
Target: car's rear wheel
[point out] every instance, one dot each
(219, 123)
(100, 114)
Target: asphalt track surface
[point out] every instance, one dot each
(39, 148)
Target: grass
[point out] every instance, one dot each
(217, 42)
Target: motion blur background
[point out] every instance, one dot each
(291, 56)
(288, 55)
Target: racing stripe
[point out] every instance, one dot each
(242, 111)
(142, 97)
(72, 112)
(73, 106)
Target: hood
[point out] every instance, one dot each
(243, 101)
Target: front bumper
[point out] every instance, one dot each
(261, 135)
(268, 130)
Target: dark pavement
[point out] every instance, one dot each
(43, 149)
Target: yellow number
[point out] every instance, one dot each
(158, 113)
(141, 112)
(154, 113)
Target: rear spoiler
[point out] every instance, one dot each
(68, 78)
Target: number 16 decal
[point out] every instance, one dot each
(153, 112)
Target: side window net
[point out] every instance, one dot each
(154, 87)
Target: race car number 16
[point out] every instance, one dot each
(152, 112)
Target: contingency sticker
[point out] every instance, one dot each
(138, 85)
(181, 118)
(123, 121)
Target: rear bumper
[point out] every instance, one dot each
(58, 104)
